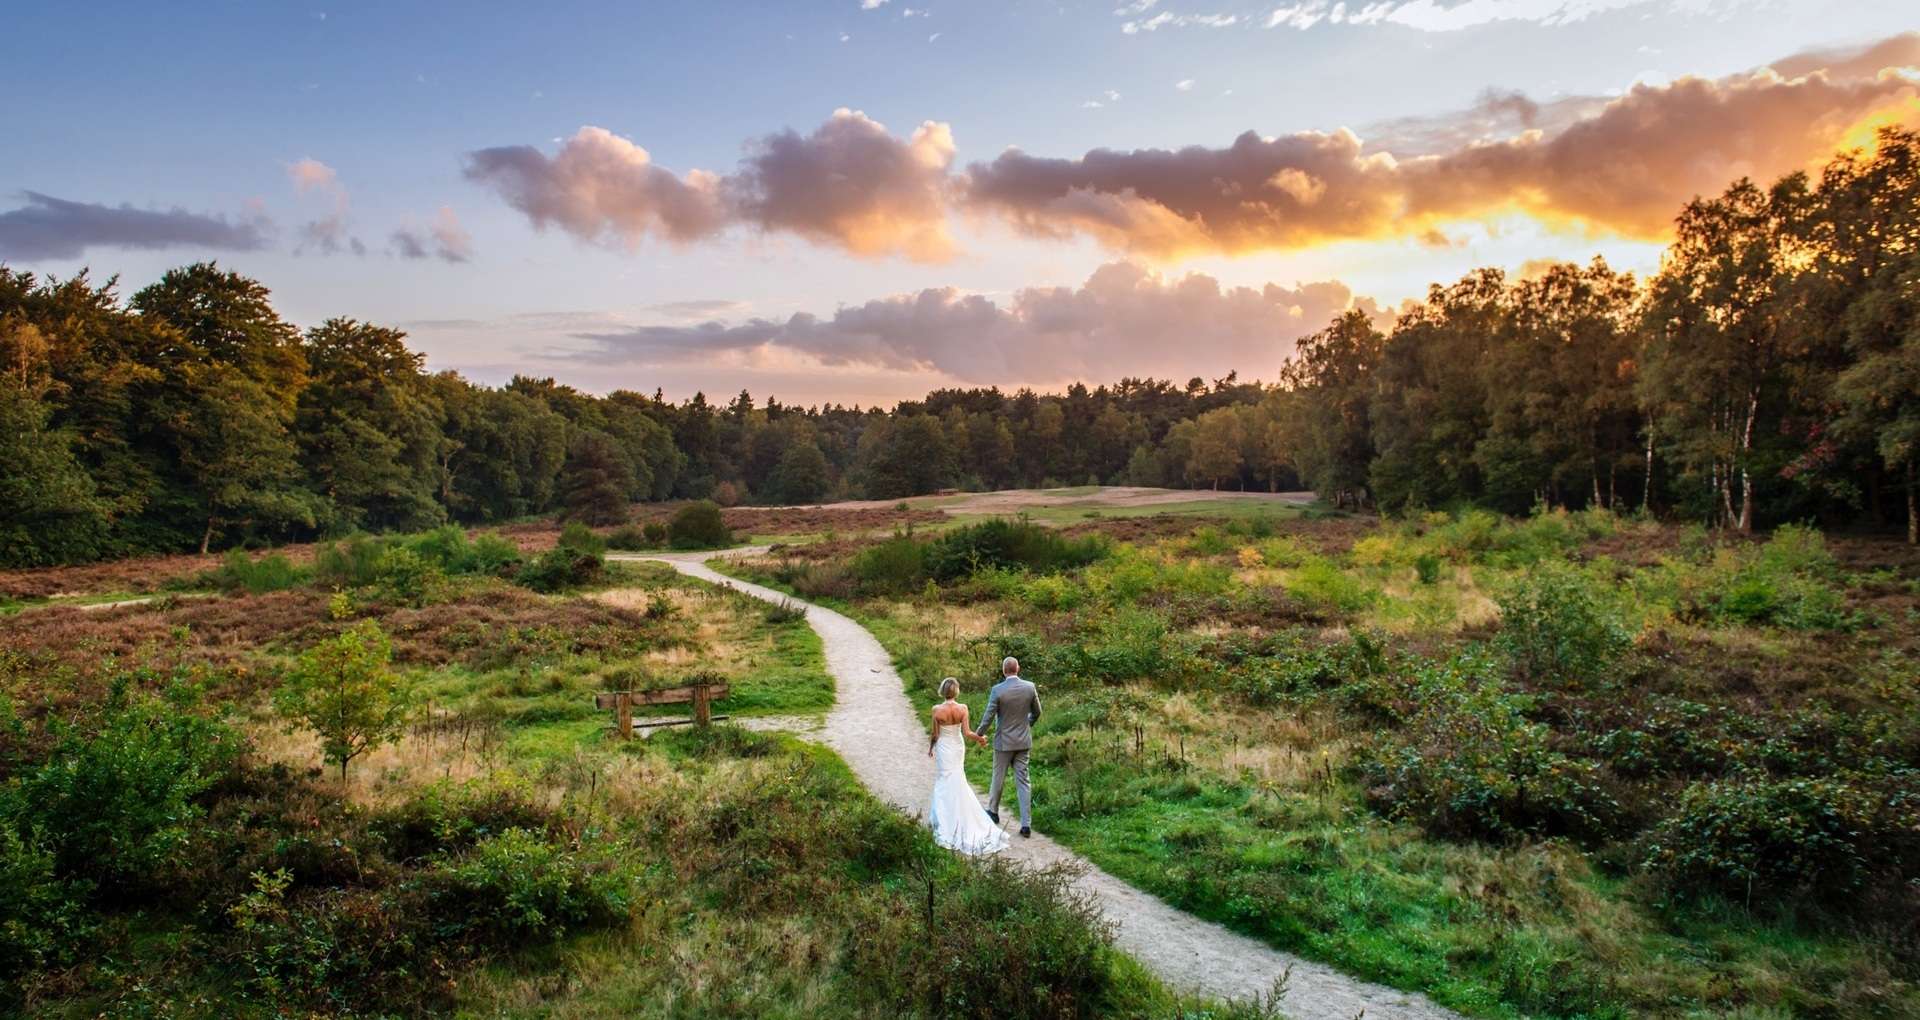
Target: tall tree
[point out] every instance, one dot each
(230, 373)
(369, 427)
(1716, 346)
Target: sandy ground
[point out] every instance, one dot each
(877, 731)
(1007, 501)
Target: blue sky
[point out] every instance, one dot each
(209, 108)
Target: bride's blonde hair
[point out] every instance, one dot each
(950, 687)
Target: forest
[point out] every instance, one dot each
(1768, 373)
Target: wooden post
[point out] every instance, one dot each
(702, 705)
(623, 708)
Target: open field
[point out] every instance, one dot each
(171, 846)
(1566, 766)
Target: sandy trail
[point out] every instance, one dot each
(878, 732)
(1009, 501)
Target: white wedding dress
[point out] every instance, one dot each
(956, 817)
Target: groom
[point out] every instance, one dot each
(1015, 705)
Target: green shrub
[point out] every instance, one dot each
(628, 538)
(893, 567)
(1469, 764)
(118, 804)
(1128, 575)
(446, 547)
(655, 534)
(493, 555)
(407, 578)
(1321, 583)
(240, 572)
(1126, 643)
(1428, 567)
(343, 951)
(579, 538)
(1007, 942)
(699, 526)
(1208, 540)
(42, 916)
(1791, 581)
(351, 563)
(1829, 835)
(1052, 591)
(560, 568)
(517, 887)
(1557, 622)
(1002, 542)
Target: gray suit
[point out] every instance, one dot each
(1013, 706)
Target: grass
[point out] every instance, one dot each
(758, 878)
(1241, 797)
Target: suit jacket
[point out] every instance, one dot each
(1014, 705)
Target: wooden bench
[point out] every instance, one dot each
(700, 695)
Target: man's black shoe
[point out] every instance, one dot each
(995, 817)
(1025, 831)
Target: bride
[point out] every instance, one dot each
(957, 820)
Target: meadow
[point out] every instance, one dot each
(1572, 765)
(173, 845)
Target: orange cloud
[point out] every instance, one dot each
(850, 183)
(1118, 321)
(1624, 166)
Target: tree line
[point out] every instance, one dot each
(1769, 371)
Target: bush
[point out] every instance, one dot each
(579, 538)
(628, 538)
(893, 567)
(560, 568)
(655, 533)
(1829, 836)
(119, 804)
(240, 572)
(1556, 622)
(699, 526)
(352, 563)
(1321, 583)
(42, 916)
(407, 578)
(1469, 764)
(342, 952)
(1427, 568)
(516, 887)
(493, 555)
(445, 547)
(1001, 542)
(1009, 942)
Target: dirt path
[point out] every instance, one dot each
(877, 731)
(1009, 501)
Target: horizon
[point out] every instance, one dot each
(691, 199)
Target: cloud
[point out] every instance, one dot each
(870, 5)
(310, 174)
(329, 234)
(1184, 85)
(55, 228)
(1168, 19)
(1623, 166)
(1457, 15)
(1125, 319)
(850, 184)
(444, 239)
(600, 186)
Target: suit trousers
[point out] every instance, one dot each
(1024, 789)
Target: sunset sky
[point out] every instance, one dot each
(861, 200)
